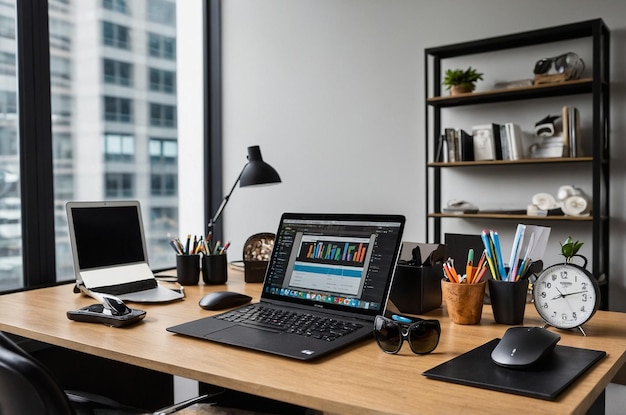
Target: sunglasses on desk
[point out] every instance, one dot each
(422, 335)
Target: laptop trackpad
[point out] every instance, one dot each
(244, 336)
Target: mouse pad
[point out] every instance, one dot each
(545, 380)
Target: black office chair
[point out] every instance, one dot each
(29, 388)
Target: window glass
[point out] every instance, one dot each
(106, 150)
(10, 202)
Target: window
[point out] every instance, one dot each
(11, 268)
(119, 185)
(163, 151)
(160, 11)
(7, 64)
(163, 184)
(60, 72)
(165, 219)
(118, 109)
(119, 147)
(162, 115)
(161, 46)
(7, 27)
(162, 80)
(119, 6)
(115, 35)
(117, 72)
(60, 34)
(72, 108)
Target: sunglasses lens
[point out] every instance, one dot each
(424, 337)
(388, 335)
(542, 66)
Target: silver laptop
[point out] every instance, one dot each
(337, 268)
(109, 252)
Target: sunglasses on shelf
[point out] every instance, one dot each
(568, 63)
(422, 335)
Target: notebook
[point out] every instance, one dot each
(109, 252)
(334, 266)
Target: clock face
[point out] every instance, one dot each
(566, 295)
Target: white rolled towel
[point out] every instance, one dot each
(544, 201)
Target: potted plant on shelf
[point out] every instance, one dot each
(460, 81)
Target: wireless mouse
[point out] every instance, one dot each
(522, 347)
(219, 300)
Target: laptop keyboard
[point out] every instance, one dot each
(305, 324)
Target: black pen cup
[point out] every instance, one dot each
(188, 269)
(508, 300)
(215, 269)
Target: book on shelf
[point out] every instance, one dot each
(486, 142)
(451, 140)
(466, 145)
(572, 139)
(511, 140)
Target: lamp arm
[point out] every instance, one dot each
(225, 201)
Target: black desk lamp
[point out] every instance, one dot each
(254, 173)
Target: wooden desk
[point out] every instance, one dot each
(362, 380)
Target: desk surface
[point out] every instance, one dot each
(361, 380)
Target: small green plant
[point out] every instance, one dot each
(466, 78)
(569, 248)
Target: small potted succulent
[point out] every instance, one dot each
(569, 249)
(460, 81)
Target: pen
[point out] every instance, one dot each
(470, 264)
(489, 253)
(225, 247)
(187, 245)
(499, 262)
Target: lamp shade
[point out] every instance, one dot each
(257, 171)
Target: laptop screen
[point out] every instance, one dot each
(106, 234)
(339, 262)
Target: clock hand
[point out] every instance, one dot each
(577, 292)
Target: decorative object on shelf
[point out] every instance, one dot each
(567, 67)
(546, 127)
(460, 81)
(569, 201)
(256, 256)
(566, 295)
(574, 201)
(460, 206)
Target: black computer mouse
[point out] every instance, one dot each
(522, 347)
(114, 306)
(219, 300)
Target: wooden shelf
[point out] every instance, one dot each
(510, 216)
(579, 86)
(557, 160)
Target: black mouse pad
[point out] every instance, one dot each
(544, 380)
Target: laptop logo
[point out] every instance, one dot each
(307, 352)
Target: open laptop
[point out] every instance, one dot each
(109, 252)
(336, 266)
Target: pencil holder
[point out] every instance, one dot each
(463, 301)
(214, 269)
(188, 269)
(508, 300)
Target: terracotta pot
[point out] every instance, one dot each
(461, 89)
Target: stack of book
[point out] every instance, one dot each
(498, 142)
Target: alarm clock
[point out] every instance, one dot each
(566, 295)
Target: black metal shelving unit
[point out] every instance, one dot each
(598, 87)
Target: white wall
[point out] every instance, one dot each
(333, 92)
